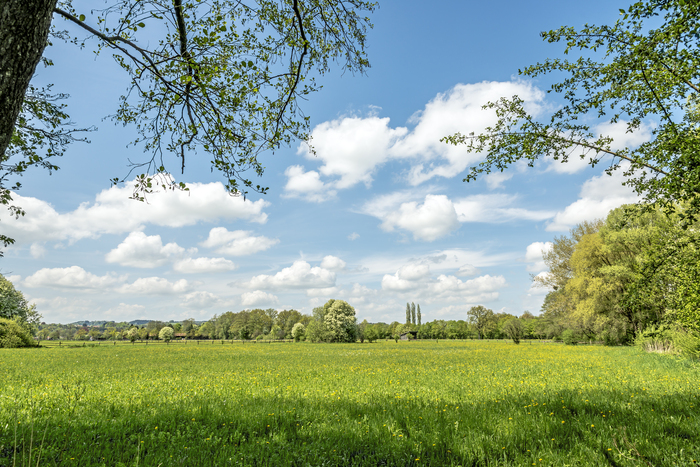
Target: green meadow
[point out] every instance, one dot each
(408, 403)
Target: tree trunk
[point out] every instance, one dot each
(24, 31)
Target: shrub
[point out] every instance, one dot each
(569, 337)
(13, 336)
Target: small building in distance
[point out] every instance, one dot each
(407, 335)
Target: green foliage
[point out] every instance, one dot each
(13, 335)
(224, 77)
(513, 328)
(644, 67)
(14, 306)
(298, 332)
(340, 322)
(481, 318)
(166, 334)
(569, 337)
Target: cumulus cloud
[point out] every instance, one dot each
(200, 300)
(352, 148)
(480, 286)
(406, 277)
(298, 275)
(438, 216)
(203, 265)
(306, 185)
(155, 286)
(141, 251)
(237, 242)
(112, 212)
(458, 110)
(333, 263)
(598, 196)
(73, 277)
(434, 218)
(533, 255)
(258, 298)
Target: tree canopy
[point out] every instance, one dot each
(214, 76)
(632, 72)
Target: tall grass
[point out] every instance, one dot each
(386, 403)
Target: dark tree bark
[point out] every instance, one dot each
(24, 31)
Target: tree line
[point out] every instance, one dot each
(632, 277)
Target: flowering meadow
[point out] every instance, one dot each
(386, 403)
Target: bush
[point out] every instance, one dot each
(13, 336)
(569, 337)
(670, 339)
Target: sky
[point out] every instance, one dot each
(378, 217)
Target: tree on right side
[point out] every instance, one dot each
(642, 73)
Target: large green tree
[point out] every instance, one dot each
(644, 68)
(14, 306)
(215, 76)
(481, 318)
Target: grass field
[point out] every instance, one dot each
(386, 403)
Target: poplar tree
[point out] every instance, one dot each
(418, 313)
(408, 313)
(413, 313)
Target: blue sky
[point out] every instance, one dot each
(380, 216)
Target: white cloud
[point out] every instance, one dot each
(438, 215)
(37, 250)
(495, 208)
(409, 276)
(433, 219)
(306, 185)
(353, 236)
(450, 285)
(203, 265)
(124, 312)
(298, 275)
(467, 270)
(113, 212)
(333, 263)
(73, 277)
(496, 179)
(352, 148)
(326, 292)
(258, 298)
(141, 251)
(155, 286)
(200, 300)
(536, 288)
(15, 278)
(237, 242)
(598, 196)
(533, 255)
(458, 110)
